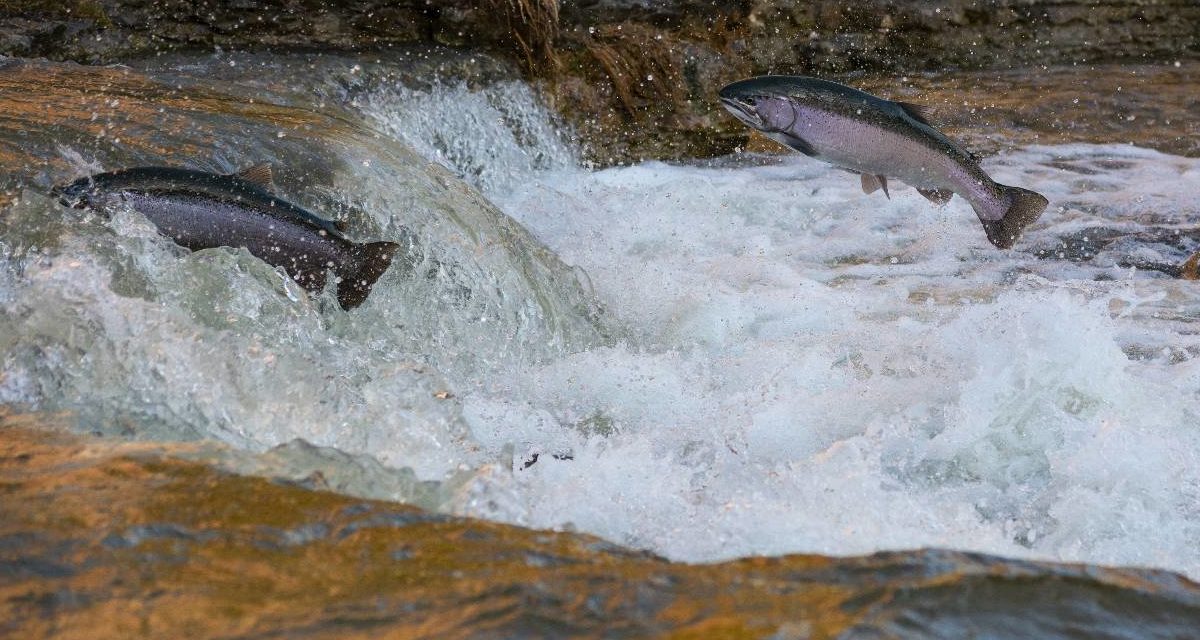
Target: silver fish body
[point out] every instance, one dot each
(879, 139)
(200, 210)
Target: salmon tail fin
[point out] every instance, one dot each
(1025, 207)
(1190, 270)
(371, 260)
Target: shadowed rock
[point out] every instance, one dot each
(638, 77)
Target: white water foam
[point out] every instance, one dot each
(812, 369)
(805, 368)
(492, 139)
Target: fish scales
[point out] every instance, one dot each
(202, 223)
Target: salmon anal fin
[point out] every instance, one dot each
(260, 174)
(869, 183)
(937, 196)
(872, 183)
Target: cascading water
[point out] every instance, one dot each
(819, 370)
(784, 365)
(493, 138)
(807, 368)
(109, 320)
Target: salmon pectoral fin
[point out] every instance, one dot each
(937, 196)
(800, 144)
(871, 184)
(1025, 207)
(371, 260)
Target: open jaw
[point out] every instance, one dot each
(743, 111)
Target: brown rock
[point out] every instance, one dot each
(589, 51)
(102, 539)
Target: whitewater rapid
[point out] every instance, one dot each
(806, 368)
(776, 362)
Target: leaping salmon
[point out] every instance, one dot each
(200, 210)
(879, 139)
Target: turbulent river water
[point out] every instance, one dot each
(740, 356)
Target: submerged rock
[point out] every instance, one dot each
(101, 540)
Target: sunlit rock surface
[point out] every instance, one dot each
(637, 77)
(1146, 105)
(107, 540)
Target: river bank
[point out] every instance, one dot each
(637, 79)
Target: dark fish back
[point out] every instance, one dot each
(228, 188)
(202, 210)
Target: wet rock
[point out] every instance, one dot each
(636, 77)
(1190, 270)
(834, 37)
(1149, 105)
(99, 537)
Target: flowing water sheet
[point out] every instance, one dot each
(784, 364)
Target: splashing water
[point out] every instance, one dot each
(813, 369)
(799, 367)
(492, 139)
(107, 319)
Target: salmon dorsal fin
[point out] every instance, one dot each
(260, 174)
(872, 183)
(918, 112)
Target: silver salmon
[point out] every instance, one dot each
(200, 210)
(879, 139)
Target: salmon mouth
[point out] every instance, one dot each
(743, 111)
(70, 196)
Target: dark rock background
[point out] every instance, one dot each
(825, 36)
(635, 77)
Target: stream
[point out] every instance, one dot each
(730, 357)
